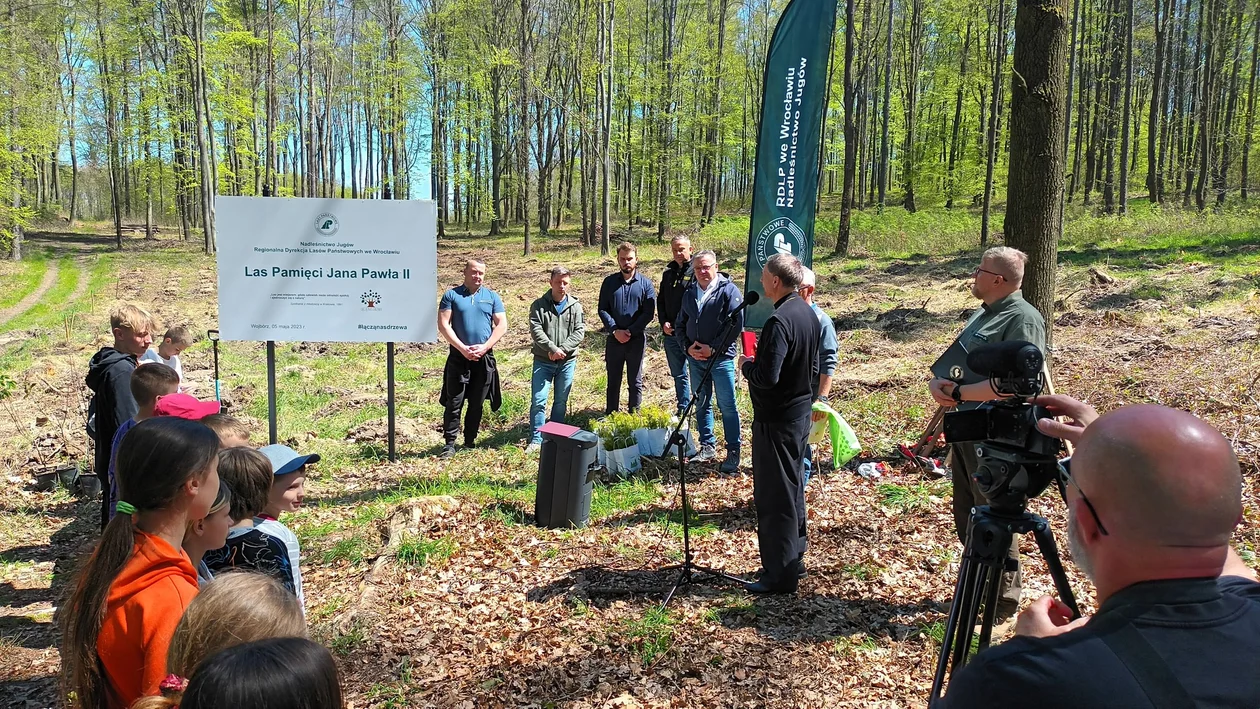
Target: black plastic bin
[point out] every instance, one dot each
(563, 499)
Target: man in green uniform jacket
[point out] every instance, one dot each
(1003, 316)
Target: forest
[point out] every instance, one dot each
(535, 113)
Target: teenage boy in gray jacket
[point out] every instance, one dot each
(556, 328)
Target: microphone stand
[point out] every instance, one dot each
(688, 569)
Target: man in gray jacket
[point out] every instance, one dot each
(556, 328)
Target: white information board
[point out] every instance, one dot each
(327, 270)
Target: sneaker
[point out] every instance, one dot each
(706, 453)
(731, 464)
(533, 447)
(448, 451)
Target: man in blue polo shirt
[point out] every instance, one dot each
(1153, 498)
(472, 320)
(627, 302)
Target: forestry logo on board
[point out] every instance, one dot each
(371, 301)
(779, 236)
(326, 224)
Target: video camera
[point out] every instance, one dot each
(1016, 461)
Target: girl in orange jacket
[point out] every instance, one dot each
(129, 596)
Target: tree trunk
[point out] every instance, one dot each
(884, 155)
(496, 152)
(850, 132)
(1209, 10)
(951, 182)
(1128, 107)
(669, 14)
(1154, 188)
(605, 132)
(15, 174)
(1115, 49)
(522, 133)
(912, 81)
(111, 124)
(995, 108)
(1038, 97)
(1251, 104)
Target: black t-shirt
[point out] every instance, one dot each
(1206, 630)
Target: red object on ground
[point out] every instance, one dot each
(750, 343)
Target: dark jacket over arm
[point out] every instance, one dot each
(674, 281)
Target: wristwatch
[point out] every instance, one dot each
(957, 393)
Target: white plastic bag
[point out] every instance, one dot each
(624, 461)
(651, 441)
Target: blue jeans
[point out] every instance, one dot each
(676, 355)
(724, 380)
(547, 372)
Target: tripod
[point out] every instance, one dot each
(688, 569)
(985, 557)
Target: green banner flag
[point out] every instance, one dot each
(793, 108)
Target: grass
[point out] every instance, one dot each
(419, 551)
(344, 643)
(907, 498)
(863, 571)
(700, 527)
(651, 636)
(354, 549)
(310, 532)
(330, 608)
(51, 306)
(17, 280)
(856, 645)
(623, 496)
(730, 605)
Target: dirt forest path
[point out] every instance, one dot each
(33, 298)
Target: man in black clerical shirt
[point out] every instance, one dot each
(782, 383)
(1153, 498)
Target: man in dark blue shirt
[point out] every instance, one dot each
(472, 319)
(1154, 496)
(627, 302)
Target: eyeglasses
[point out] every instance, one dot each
(1066, 476)
(977, 269)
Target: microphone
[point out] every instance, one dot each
(750, 298)
(1017, 358)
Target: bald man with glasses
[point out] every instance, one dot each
(1003, 316)
(1153, 499)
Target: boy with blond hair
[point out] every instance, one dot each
(232, 432)
(174, 342)
(109, 378)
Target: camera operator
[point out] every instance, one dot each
(1003, 316)
(1153, 497)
